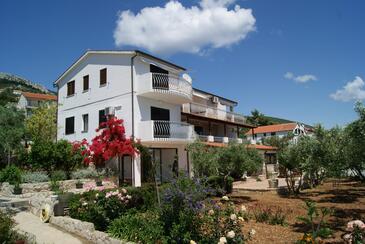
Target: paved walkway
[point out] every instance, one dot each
(44, 232)
(252, 185)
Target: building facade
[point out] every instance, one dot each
(29, 101)
(157, 102)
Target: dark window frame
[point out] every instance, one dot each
(103, 77)
(273, 133)
(71, 88)
(70, 131)
(102, 117)
(86, 83)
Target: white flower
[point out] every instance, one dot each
(211, 212)
(124, 191)
(231, 234)
(252, 232)
(222, 240)
(241, 219)
(243, 208)
(84, 203)
(192, 242)
(97, 195)
(233, 217)
(225, 198)
(128, 197)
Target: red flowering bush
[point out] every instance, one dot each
(111, 142)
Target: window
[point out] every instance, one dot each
(86, 82)
(85, 122)
(264, 134)
(102, 117)
(273, 133)
(103, 77)
(70, 125)
(160, 114)
(71, 88)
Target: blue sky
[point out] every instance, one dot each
(325, 39)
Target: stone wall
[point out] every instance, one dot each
(85, 230)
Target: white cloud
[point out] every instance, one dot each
(174, 28)
(300, 78)
(353, 90)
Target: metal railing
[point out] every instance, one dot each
(173, 130)
(214, 113)
(171, 83)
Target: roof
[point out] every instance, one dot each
(136, 52)
(273, 128)
(39, 96)
(258, 147)
(208, 93)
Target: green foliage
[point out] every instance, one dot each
(138, 227)
(50, 156)
(42, 125)
(11, 174)
(7, 234)
(220, 184)
(204, 159)
(272, 216)
(34, 177)
(144, 197)
(7, 96)
(58, 175)
(315, 220)
(11, 132)
(258, 119)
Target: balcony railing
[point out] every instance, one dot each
(153, 130)
(214, 113)
(171, 83)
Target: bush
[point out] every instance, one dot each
(138, 227)
(220, 184)
(84, 173)
(7, 233)
(272, 216)
(58, 175)
(11, 174)
(144, 197)
(34, 177)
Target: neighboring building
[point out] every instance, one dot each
(157, 102)
(258, 134)
(29, 101)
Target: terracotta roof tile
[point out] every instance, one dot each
(39, 96)
(273, 128)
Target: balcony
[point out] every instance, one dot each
(219, 139)
(165, 87)
(213, 113)
(166, 131)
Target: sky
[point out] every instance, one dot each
(299, 60)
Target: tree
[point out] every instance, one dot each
(203, 158)
(110, 143)
(258, 119)
(42, 125)
(11, 131)
(7, 96)
(355, 146)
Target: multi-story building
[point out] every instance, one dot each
(29, 101)
(156, 100)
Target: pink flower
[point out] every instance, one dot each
(352, 224)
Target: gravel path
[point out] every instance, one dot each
(44, 232)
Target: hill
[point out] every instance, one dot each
(275, 120)
(12, 85)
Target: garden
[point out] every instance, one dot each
(323, 202)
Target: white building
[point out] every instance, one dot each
(155, 99)
(258, 134)
(29, 101)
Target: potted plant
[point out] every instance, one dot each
(17, 189)
(79, 184)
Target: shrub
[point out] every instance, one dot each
(34, 177)
(7, 233)
(58, 175)
(100, 207)
(84, 173)
(138, 227)
(272, 216)
(11, 174)
(221, 184)
(144, 197)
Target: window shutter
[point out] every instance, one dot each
(103, 78)
(86, 82)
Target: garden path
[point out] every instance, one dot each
(45, 233)
(251, 184)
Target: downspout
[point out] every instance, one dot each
(132, 93)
